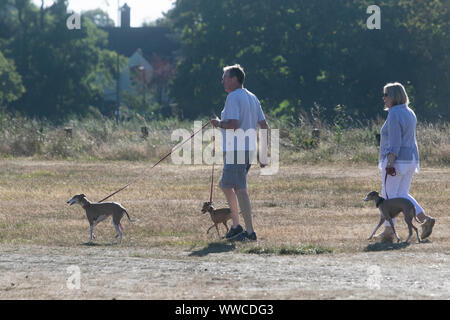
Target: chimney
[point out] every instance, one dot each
(125, 16)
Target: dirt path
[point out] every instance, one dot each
(107, 272)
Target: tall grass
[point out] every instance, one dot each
(341, 140)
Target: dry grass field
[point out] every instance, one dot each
(311, 222)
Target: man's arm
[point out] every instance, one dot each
(263, 161)
(263, 124)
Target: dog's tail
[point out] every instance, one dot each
(128, 216)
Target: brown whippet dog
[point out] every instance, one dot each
(217, 215)
(390, 208)
(96, 212)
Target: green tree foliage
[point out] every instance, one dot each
(300, 52)
(11, 87)
(59, 67)
(99, 17)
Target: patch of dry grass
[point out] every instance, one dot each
(301, 206)
(102, 139)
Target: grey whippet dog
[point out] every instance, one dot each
(96, 212)
(390, 208)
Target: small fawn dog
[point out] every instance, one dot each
(217, 215)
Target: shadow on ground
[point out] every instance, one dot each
(385, 246)
(215, 247)
(106, 244)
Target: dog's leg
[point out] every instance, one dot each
(417, 233)
(121, 229)
(91, 232)
(210, 228)
(119, 232)
(413, 216)
(408, 220)
(410, 234)
(382, 219)
(393, 229)
(410, 227)
(217, 228)
(97, 221)
(225, 224)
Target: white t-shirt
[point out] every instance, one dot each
(244, 106)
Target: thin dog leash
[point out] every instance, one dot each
(212, 170)
(139, 177)
(385, 186)
(385, 179)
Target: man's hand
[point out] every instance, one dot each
(215, 122)
(226, 124)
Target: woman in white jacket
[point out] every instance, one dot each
(399, 155)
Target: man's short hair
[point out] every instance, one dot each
(236, 71)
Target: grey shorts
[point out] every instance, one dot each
(234, 175)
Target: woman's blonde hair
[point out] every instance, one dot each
(396, 91)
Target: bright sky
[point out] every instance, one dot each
(141, 10)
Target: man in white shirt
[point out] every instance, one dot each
(239, 119)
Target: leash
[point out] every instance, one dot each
(392, 172)
(139, 177)
(385, 186)
(212, 170)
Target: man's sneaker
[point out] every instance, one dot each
(245, 236)
(234, 232)
(241, 237)
(251, 236)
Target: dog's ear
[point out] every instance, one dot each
(82, 195)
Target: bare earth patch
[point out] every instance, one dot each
(35, 272)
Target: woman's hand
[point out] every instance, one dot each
(391, 159)
(391, 171)
(390, 164)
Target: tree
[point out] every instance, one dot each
(301, 52)
(163, 72)
(99, 17)
(59, 67)
(11, 87)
